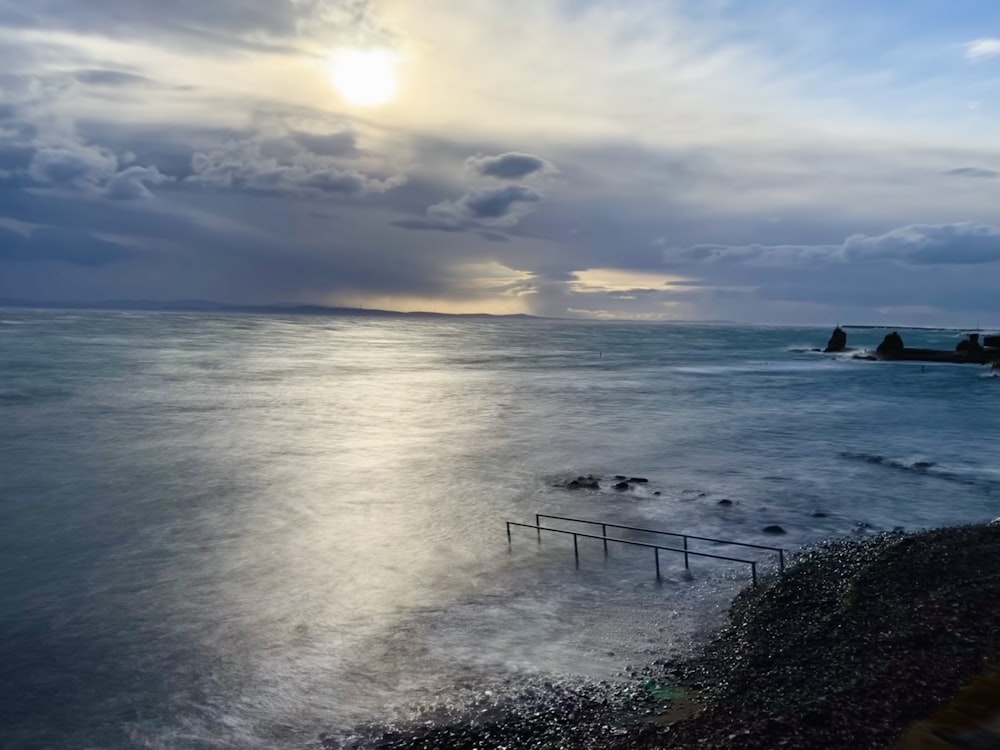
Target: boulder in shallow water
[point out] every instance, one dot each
(622, 486)
(774, 529)
(638, 480)
(724, 501)
(837, 342)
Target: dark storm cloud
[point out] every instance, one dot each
(974, 172)
(502, 206)
(510, 166)
(60, 246)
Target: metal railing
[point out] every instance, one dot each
(655, 547)
(605, 526)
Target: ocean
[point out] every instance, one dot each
(243, 531)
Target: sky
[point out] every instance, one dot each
(765, 162)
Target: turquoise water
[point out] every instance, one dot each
(241, 531)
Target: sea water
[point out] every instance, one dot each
(241, 531)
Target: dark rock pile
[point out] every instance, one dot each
(593, 482)
(857, 639)
(837, 342)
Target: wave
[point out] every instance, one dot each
(11, 396)
(965, 475)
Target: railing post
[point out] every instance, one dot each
(656, 555)
(781, 560)
(604, 533)
(576, 551)
(538, 527)
(753, 572)
(686, 565)
(508, 533)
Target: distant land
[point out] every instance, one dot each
(208, 306)
(883, 326)
(197, 305)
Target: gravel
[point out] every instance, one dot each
(856, 640)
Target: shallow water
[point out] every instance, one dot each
(241, 531)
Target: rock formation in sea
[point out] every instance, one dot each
(891, 346)
(837, 342)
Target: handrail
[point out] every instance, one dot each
(655, 547)
(604, 530)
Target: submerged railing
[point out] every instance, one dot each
(603, 537)
(605, 526)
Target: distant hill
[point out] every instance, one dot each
(196, 305)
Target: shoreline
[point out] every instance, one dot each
(855, 642)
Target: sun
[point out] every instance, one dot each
(366, 78)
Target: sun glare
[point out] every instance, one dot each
(366, 78)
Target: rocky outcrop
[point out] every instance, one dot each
(967, 351)
(837, 342)
(891, 346)
(589, 482)
(970, 345)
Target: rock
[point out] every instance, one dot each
(837, 342)
(970, 345)
(622, 486)
(819, 514)
(774, 529)
(620, 477)
(891, 345)
(922, 465)
(725, 502)
(657, 493)
(638, 480)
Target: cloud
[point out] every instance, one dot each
(285, 165)
(510, 166)
(77, 165)
(973, 172)
(131, 182)
(498, 207)
(270, 26)
(921, 244)
(980, 49)
(963, 243)
(114, 78)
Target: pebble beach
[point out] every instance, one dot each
(858, 639)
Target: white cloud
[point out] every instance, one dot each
(982, 48)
